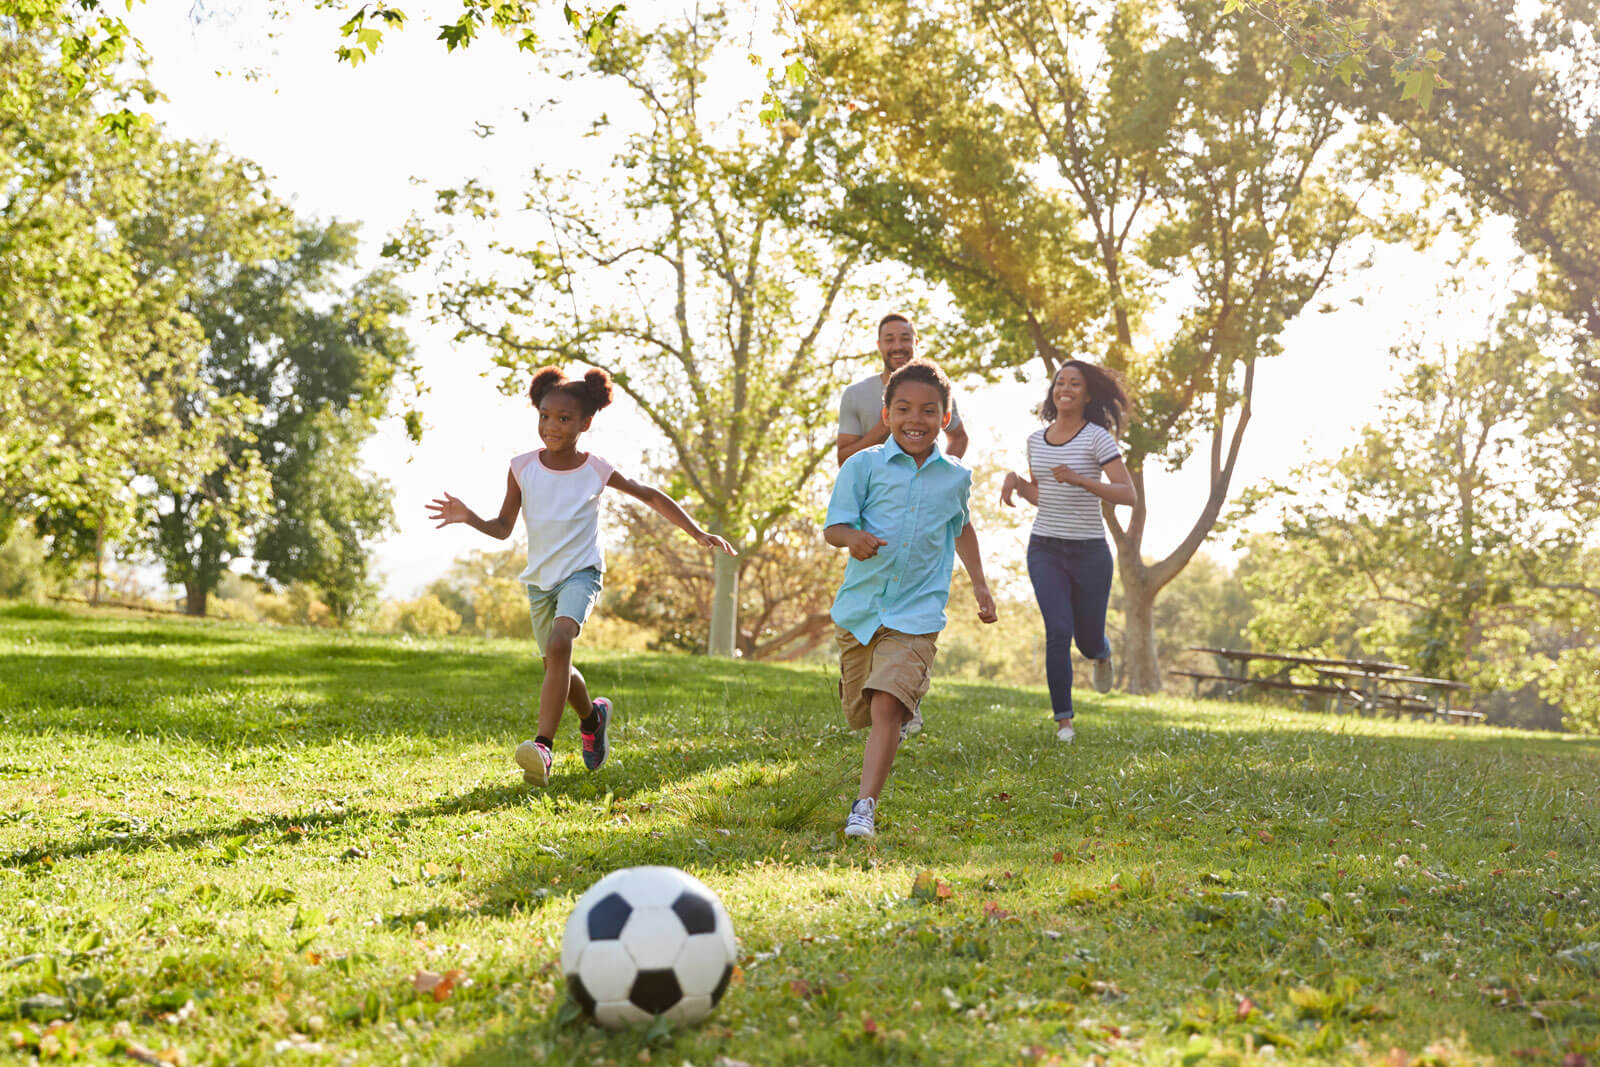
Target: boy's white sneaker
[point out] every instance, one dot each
(535, 760)
(863, 818)
(912, 726)
(1103, 674)
(1066, 733)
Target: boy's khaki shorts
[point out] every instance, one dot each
(892, 662)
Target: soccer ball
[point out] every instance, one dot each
(646, 942)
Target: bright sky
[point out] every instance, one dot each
(367, 143)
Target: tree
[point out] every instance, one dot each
(1456, 535)
(319, 360)
(1070, 170)
(786, 584)
(1517, 131)
(678, 274)
(94, 350)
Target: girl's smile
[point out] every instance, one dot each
(561, 421)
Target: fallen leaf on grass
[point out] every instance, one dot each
(1264, 837)
(926, 887)
(439, 985)
(1246, 1007)
(1058, 857)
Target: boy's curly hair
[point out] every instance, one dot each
(919, 370)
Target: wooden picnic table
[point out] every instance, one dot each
(1371, 685)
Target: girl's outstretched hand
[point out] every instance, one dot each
(711, 540)
(447, 510)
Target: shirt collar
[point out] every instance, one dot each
(891, 449)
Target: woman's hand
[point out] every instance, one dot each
(1069, 476)
(1008, 487)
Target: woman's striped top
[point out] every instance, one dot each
(1067, 510)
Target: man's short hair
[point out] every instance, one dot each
(896, 316)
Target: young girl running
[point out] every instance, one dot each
(1068, 558)
(558, 488)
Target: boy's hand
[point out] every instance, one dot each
(986, 612)
(447, 510)
(863, 545)
(711, 540)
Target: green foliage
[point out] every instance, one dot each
(1455, 536)
(328, 814)
(1070, 170)
(98, 358)
(1334, 41)
(679, 273)
(22, 565)
(1517, 128)
(426, 616)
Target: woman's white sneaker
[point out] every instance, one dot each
(1103, 675)
(1066, 733)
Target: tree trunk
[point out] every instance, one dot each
(724, 607)
(194, 598)
(99, 557)
(1140, 658)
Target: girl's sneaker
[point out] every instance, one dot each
(1065, 733)
(863, 818)
(595, 745)
(535, 760)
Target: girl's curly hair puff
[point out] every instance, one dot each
(592, 391)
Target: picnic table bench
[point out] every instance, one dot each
(1371, 686)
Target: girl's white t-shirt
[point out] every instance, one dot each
(1066, 510)
(561, 510)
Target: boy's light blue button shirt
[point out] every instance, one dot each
(920, 512)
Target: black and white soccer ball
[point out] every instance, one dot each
(645, 942)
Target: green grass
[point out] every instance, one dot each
(240, 845)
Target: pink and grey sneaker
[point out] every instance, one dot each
(535, 760)
(595, 746)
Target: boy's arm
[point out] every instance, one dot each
(972, 560)
(448, 509)
(861, 544)
(667, 508)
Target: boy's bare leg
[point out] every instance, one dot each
(882, 740)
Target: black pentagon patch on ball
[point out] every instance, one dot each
(607, 918)
(696, 912)
(722, 985)
(580, 994)
(655, 991)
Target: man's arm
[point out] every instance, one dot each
(851, 443)
(955, 441)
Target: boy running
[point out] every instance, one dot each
(901, 509)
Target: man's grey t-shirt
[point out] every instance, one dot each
(861, 407)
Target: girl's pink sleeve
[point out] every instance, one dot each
(604, 468)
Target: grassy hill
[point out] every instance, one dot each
(233, 844)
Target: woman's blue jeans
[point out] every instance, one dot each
(1072, 582)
